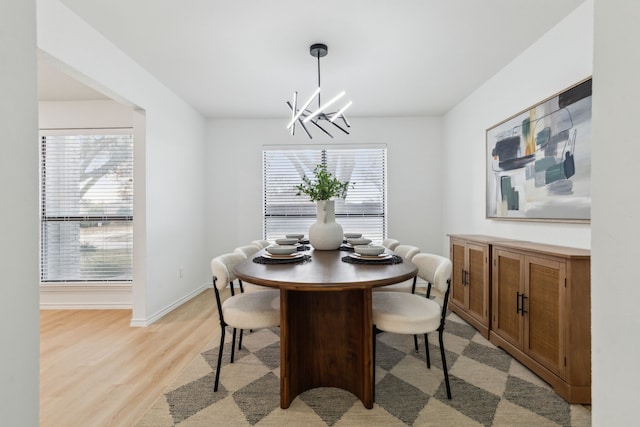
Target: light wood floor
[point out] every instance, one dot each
(96, 370)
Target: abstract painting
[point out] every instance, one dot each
(539, 160)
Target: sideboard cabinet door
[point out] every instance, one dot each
(470, 290)
(508, 288)
(544, 301)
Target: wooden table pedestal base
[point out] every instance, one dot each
(326, 341)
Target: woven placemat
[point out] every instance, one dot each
(263, 260)
(303, 247)
(395, 259)
(346, 248)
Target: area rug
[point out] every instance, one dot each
(489, 388)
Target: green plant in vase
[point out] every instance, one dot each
(325, 233)
(323, 186)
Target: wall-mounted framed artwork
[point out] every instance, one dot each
(539, 160)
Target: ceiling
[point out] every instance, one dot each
(245, 58)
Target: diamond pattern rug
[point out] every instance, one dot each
(489, 388)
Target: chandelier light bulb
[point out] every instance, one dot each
(342, 110)
(293, 111)
(326, 104)
(304, 107)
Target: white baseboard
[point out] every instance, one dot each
(169, 308)
(85, 297)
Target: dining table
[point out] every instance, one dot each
(326, 329)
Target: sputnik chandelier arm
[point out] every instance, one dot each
(303, 115)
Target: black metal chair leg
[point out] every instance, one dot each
(426, 350)
(233, 344)
(240, 340)
(221, 347)
(444, 365)
(415, 342)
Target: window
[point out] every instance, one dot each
(364, 209)
(86, 230)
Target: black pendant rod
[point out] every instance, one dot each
(319, 93)
(318, 50)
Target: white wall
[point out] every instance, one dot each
(83, 114)
(615, 232)
(19, 315)
(235, 175)
(169, 152)
(559, 59)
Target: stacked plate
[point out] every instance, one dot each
(282, 251)
(358, 241)
(369, 252)
(287, 241)
(298, 237)
(352, 235)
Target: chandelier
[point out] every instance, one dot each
(319, 118)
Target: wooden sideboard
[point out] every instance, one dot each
(539, 309)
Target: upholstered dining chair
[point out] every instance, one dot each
(261, 243)
(390, 243)
(248, 251)
(411, 314)
(406, 252)
(254, 310)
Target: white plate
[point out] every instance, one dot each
(294, 236)
(288, 256)
(371, 257)
(281, 250)
(359, 241)
(369, 250)
(285, 242)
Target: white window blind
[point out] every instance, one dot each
(87, 207)
(363, 210)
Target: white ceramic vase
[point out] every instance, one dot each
(326, 233)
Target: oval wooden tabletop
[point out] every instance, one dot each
(324, 271)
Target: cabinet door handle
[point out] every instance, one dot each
(517, 302)
(522, 310)
(464, 277)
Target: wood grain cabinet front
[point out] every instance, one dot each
(470, 290)
(541, 312)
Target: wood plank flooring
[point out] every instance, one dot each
(96, 370)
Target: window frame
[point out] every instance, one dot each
(83, 219)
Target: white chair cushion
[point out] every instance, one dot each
(222, 267)
(255, 310)
(261, 243)
(248, 250)
(390, 243)
(404, 313)
(435, 269)
(406, 251)
(252, 287)
(406, 286)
